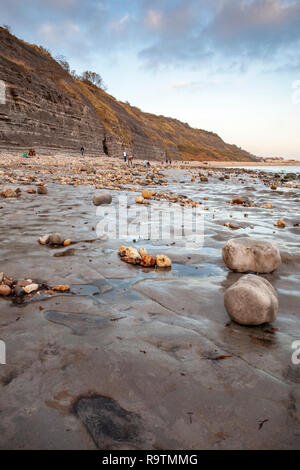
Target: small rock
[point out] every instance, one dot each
(7, 193)
(252, 300)
(232, 225)
(147, 194)
(163, 261)
(42, 189)
(18, 291)
(142, 252)
(67, 242)
(31, 191)
(5, 290)
(249, 254)
(122, 250)
(102, 198)
(147, 260)
(131, 256)
(61, 288)
(44, 240)
(267, 206)
(24, 283)
(55, 239)
(1, 277)
(139, 200)
(280, 223)
(31, 288)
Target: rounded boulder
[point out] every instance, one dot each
(251, 255)
(252, 300)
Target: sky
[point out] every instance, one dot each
(227, 66)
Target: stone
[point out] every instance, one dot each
(269, 205)
(247, 254)
(31, 288)
(163, 261)
(24, 282)
(122, 250)
(139, 200)
(147, 194)
(18, 291)
(67, 242)
(131, 255)
(102, 198)
(147, 260)
(252, 300)
(31, 191)
(5, 290)
(44, 240)
(1, 277)
(61, 288)
(143, 252)
(55, 239)
(280, 223)
(42, 189)
(244, 201)
(8, 193)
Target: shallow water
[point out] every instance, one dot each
(148, 338)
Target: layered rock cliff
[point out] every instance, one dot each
(48, 109)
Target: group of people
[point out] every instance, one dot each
(129, 158)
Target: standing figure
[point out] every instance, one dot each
(82, 151)
(125, 156)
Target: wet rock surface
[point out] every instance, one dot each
(157, 344)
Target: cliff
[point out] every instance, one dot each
(48, 109)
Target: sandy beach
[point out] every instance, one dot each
(151, 353)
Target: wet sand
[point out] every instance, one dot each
(131, 357)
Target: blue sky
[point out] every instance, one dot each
(229, 66)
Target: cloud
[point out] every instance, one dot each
(247, 30)
(194, 85)
(220, 34)
(119, 25)
(153, 19)
(55, 33)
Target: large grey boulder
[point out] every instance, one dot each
(251, 255)
(252, 300)
(102, 198)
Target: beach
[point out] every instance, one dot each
(150, 353)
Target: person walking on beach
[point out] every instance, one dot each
(125, 156)
(130, 160)
(82, 151)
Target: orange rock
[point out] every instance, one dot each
(61, 288)
(148, 260)
(147, 194)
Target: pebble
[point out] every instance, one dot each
(280, 223)
(5, 290)
(31, 288)
(42, 189)
(102, 198)
(163, 261)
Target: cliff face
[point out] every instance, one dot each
(47, 109)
